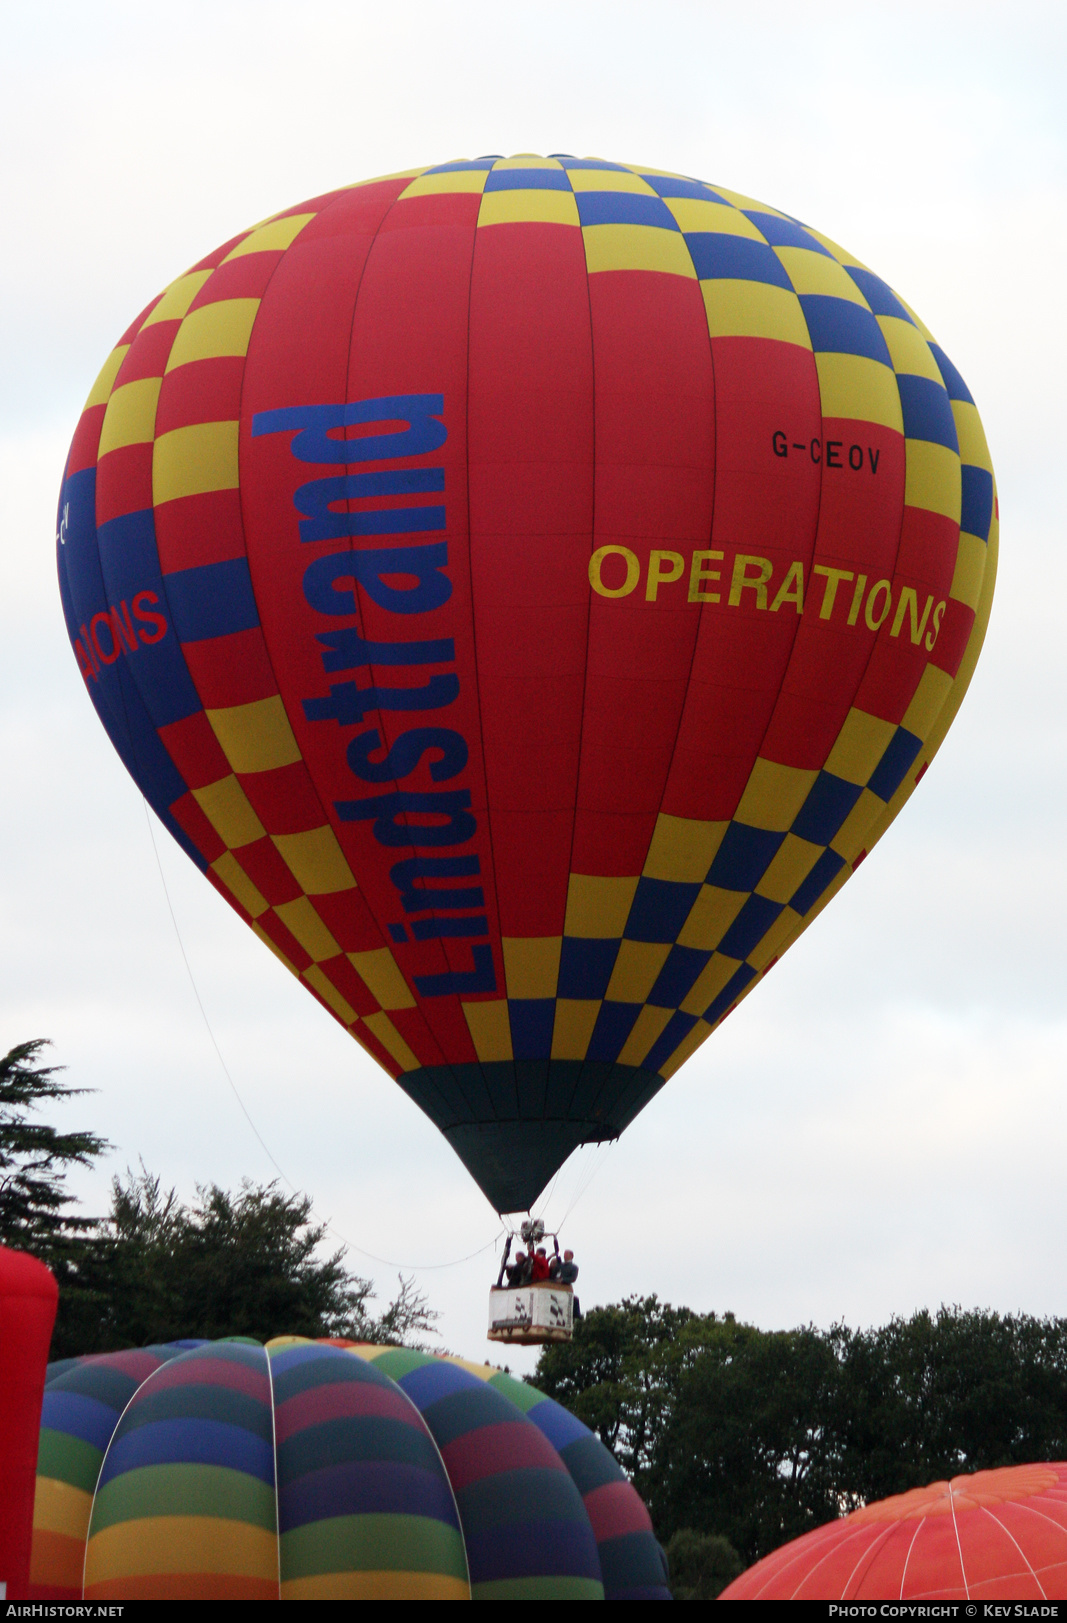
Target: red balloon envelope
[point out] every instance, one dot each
(28, 1296)
(527, 589)
(993, 1535)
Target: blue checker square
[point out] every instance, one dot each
(879, 295)
(624, 208)
(532, 1020)
(524, 180)
(678, 1027)
(585, 967)
(749, 927)
(888, 775)
(677, 977)
(674, 186)
(463, 163)
(717, 255)
(839, 327)
(976, 511)
(570, 162)
(957, 389)
(829, 802)
(825, 870)
(784, 233)
(927, 411)
(743, 857)
(614, 1024)
(659, 909)
(730, 993)
(213, 600)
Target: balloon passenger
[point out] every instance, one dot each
(539, 1266)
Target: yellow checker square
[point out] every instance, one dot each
(177, 298)
(100, 392)
(739, 309)
(328, 992)
(908, 349)
(235, 879)
(598, 907)
(682, 848)
(316, 861)
(276, 950)
(223, 328)
(637, 967)
(609, 180)
(688, 1045)
(301, 919)
(932, 478)
(790, 866)
(270, 238)
(698, 214)
(229, 811)
(776, 939)
(528, 205)
(380, 974)
(855, 386)
(974, 451)
(391, 1040)
(859, 747)
(490, 1027)
(710, 916)
(376, 180)
(812, 272)
(255, 737)
(853, 835)
(646, 1028)
(740, 201)
(573, 1029)
(842, 255)
(636, 247)
(454, 180)
(194, 461)
(919, 322)
(934, 688)
(130, 418)
(970, 570)
(527, 160)
(773, 795)
(713, 978)
(531, 965)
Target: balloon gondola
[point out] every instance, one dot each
(533, 1300)
(527, 589)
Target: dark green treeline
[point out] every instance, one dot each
(758, 1436)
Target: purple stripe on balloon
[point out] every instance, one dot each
(365, 1487)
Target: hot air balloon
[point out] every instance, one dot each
(325, 1470)
(28, 1296)
(987, 1535)
(527, 588)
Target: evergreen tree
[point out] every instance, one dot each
(35, 1158)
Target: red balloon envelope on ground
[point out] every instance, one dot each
(993, 1535)
(28, 1298)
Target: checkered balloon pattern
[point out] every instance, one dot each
(527, 588)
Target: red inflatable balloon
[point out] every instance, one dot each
(28, 1298)
(527, 588)
(992, 1535)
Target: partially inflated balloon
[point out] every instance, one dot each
(528, 588)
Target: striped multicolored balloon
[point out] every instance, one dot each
(325, 1470)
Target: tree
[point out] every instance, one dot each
(35, 1158)
(701, 1564)
(231, 1264)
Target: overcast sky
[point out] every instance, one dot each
(882, 1125)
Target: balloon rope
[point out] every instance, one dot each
(388, 1262)
(600, 1155)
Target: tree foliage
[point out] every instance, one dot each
(35, 1207)
(701, 1564)
(245, 1263)
(758, 1436)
